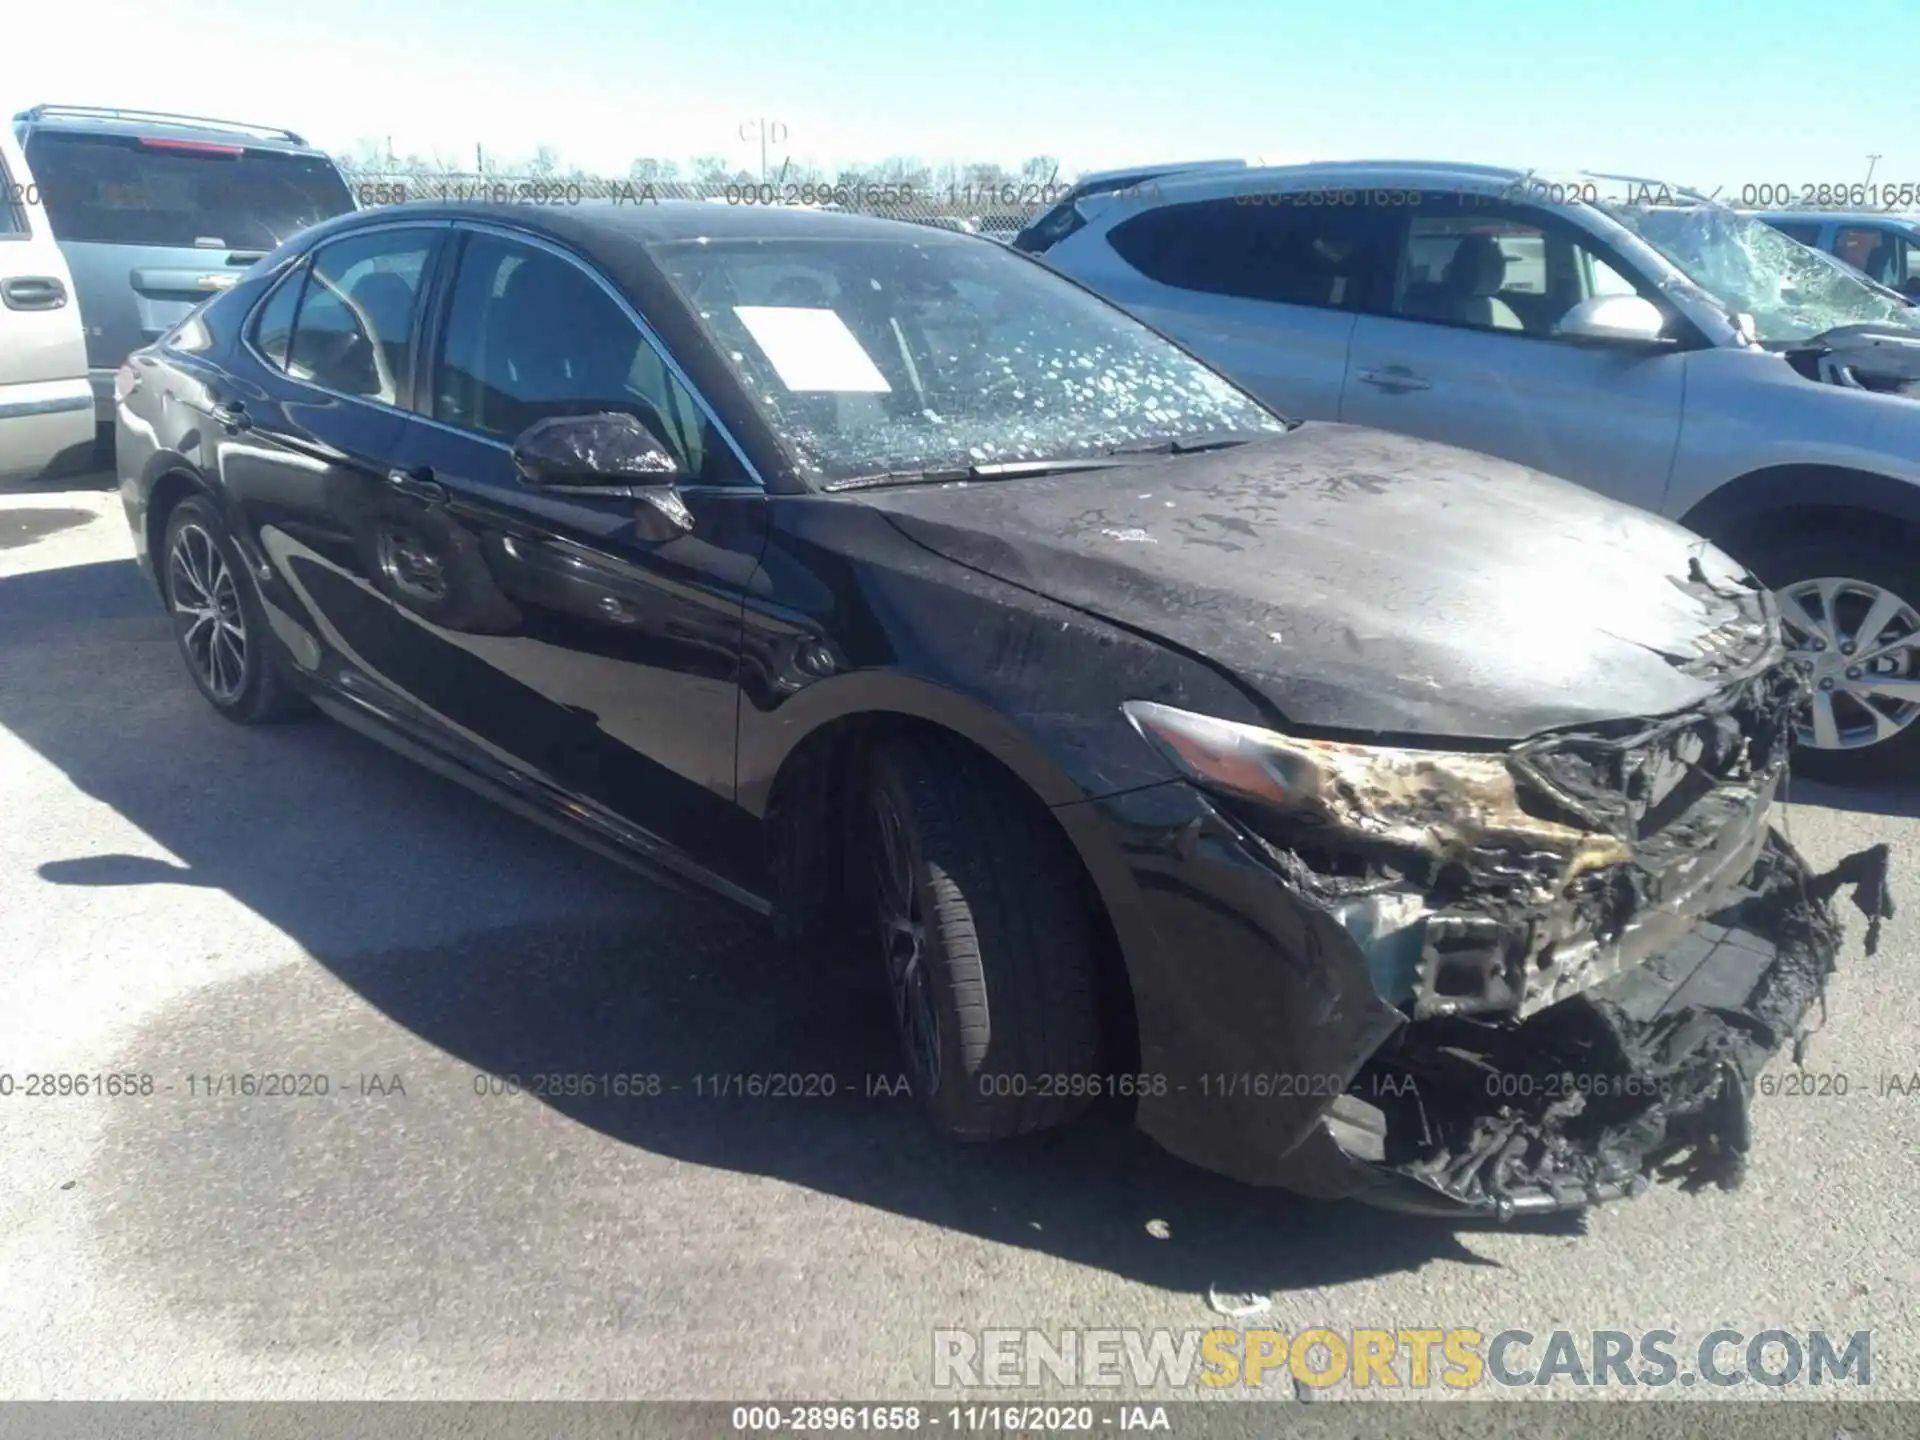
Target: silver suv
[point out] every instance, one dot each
(154, 213)
(1629, 335)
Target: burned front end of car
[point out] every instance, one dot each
(1532, 977)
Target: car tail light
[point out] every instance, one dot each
(203, 147)
(125, 380)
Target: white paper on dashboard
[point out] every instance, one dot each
(812, 349)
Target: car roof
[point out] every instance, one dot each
(1839, 217)
(1451, 174)
(1199, 181)
(158, 125)
(652, 222)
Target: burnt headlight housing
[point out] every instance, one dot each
(1433, 830)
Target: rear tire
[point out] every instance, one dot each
(977, 897)
(1872, 565)
(219, 624)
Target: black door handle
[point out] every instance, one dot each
(33, 292)
(232, 415)
(418, 484)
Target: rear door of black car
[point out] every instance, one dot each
(306, 454)
(546, 633)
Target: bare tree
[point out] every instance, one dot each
(653, 171)
(709, 170)
(902, 170)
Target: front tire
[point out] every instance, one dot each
(988, 940)
(219, 623)
(1850, 604)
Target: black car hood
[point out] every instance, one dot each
(1360, 581)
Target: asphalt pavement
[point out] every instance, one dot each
(191, 902)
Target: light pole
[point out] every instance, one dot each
(765, 130)
(1872, 160)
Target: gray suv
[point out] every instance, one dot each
(156, 212)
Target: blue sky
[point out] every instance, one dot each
(1709, 93)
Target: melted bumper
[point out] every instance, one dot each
(1646, 1075)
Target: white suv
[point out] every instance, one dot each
(1634, 337)
(46, 403)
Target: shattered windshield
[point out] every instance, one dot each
(884, 355)
(1792, 291)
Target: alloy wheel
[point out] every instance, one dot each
(1861, 645)
(903, 944)
(206, 607)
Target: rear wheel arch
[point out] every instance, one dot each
(174, 484)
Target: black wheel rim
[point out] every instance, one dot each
(903, 946)
(207, 614)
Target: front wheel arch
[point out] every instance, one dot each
(812, 796)
(1763, 505)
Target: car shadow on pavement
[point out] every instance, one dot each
(1896, 799)
(517, 954)
(86, 476)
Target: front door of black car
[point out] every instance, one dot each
(556, 635)
(304, 435)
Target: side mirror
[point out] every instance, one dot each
(594, 454)
(1629, 319)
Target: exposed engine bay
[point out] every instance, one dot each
(1881, 358)
(1597, 939)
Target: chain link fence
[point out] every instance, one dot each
(998, 209)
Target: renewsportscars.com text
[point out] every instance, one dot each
(1456, 1358)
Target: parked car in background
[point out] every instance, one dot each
(46, 404)
(1676, 355)
(1143, 745)
(1131, 184)
(1882, 247)
(155, 212)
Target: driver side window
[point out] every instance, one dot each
(530, 335)
(1482, 266)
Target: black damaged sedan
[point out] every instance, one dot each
(1378, 819)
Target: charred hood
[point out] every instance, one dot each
(1361, 581)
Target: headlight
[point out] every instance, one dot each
(1411, 818)
(1443, 804)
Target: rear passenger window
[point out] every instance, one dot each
(1870, 249)
(1325, 257)
(353, 331)
(273, 325)
(1805, 234)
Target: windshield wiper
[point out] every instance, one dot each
(1191, 446)
(995, 470)
(1020, 469)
